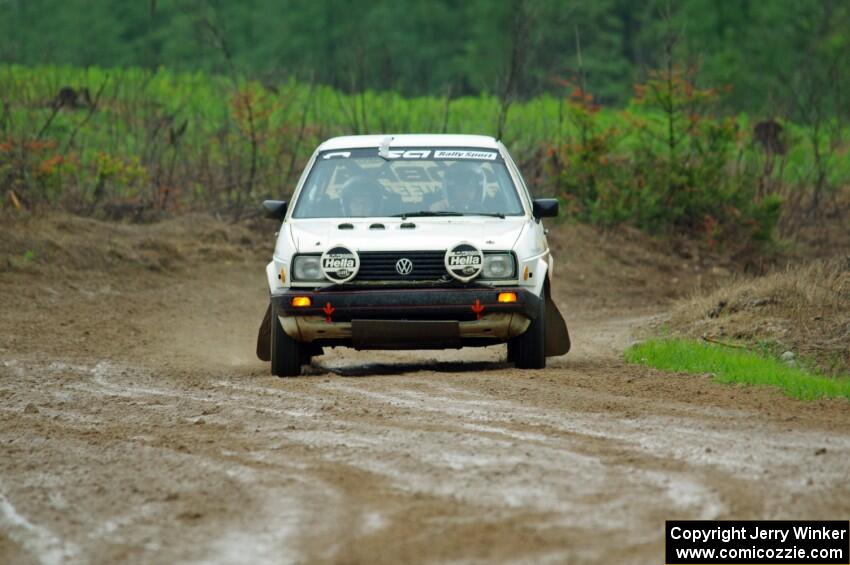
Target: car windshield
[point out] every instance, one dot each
(361, 183)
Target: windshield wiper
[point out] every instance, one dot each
(423, 213)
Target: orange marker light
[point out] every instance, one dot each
(301, 301)
(525, 273)
(507, 297)
(282, 275)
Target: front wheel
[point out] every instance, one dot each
(287, 355)
(528, 350)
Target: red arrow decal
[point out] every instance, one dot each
(328, 310)
(477, 308)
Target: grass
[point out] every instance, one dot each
(736, 366)
(801, 308)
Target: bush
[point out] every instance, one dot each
(666, 165)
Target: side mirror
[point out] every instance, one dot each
(545, 208)
(275, 209)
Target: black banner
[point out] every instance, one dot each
(758, 542)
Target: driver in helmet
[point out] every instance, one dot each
(464, 189)
(361, 197)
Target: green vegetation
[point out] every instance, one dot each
(719, 121)
(770, 53)
(736, 366)
(129, 141)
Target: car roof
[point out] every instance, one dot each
(410, 140)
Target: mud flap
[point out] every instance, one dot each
(264, 338)
(557, 335)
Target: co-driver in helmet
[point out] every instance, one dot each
(361, 197)
(464, 189)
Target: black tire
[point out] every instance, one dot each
(511, 350)
(309, 351)
(528, 350)
(287, 355)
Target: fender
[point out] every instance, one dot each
(557, 334)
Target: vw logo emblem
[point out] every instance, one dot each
(404, 266)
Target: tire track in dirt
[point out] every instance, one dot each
(38, 541)
(169, 442)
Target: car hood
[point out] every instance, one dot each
(429, 234)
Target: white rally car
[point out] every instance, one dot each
(410, 242)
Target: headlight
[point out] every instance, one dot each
(307, 268)
(498, 266)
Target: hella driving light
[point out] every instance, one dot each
(498, 266)
(307, 268)
(339, 264)
(464, 261)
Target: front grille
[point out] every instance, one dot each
(381, 266)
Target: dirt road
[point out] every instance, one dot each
(135, 424)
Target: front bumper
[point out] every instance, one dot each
(422, 318)
(407, 304)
